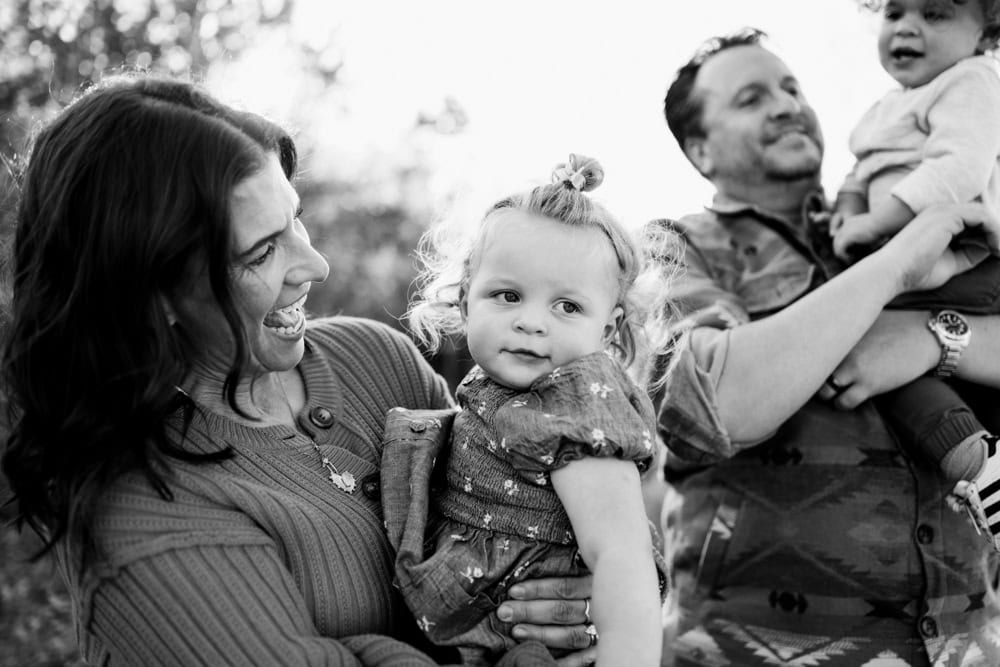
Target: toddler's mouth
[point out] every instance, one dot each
(522, 352)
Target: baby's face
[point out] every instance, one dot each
(541, 295)
(919, 39)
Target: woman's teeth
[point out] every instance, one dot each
(287, 321)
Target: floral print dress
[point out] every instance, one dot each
(494, 518)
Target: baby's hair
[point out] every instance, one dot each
(991, 17)
(448, 258)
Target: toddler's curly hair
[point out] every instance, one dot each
(448, 254)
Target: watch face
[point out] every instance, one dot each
(953, 323)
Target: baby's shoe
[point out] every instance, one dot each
(981, 496)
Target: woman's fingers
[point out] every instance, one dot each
(543, 612)
(579, 658)
(554, 636)
(553, 588)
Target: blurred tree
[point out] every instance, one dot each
(367, 221)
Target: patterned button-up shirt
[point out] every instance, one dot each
(826, 544)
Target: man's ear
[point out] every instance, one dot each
(613, 325)
(696, 150)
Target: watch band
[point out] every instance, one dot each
(952, 332)
(948, 363)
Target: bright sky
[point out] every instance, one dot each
(542, 78)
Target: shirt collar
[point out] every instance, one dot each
(813, 203)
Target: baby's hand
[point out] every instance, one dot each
(853, 234)
(836, 222)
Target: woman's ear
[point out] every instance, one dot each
(614, 324)
(168, 309)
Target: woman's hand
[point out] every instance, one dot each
(924, 253)
(554, 612)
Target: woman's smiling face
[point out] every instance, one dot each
(272, 267)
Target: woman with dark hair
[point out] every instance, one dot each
(202, 462)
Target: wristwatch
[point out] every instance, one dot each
(953, 333)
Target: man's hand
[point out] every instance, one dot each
(928, 251)
(897, 348)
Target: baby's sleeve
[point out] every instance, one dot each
(588, 407)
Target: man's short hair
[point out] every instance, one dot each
(681, 108)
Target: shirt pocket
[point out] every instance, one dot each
(765, 289)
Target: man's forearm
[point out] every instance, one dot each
(790, 354)
(980, 363)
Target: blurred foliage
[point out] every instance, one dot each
(366, 225)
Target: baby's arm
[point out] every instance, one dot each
(963, 141)
(603, 500)
(867, 229)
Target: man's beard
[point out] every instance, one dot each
(793, 175)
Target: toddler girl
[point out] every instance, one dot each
(542, 477)
(935, 140)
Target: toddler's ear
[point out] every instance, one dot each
(463, 303)
(614, 324)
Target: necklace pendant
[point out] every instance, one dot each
(343, 481)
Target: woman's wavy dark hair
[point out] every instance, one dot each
(125, 194)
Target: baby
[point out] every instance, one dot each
(935, 140)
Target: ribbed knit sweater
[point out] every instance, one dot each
(260, 559)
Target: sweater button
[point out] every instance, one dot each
(928, 628)
(418, 426)
(925, 534)
(371, 487)
(321, 417)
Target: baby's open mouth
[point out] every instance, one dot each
(905, 53)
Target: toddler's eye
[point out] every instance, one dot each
(568, 307)
(506, 296)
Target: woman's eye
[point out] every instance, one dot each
(260, 259)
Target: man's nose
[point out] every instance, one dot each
(786, 104)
